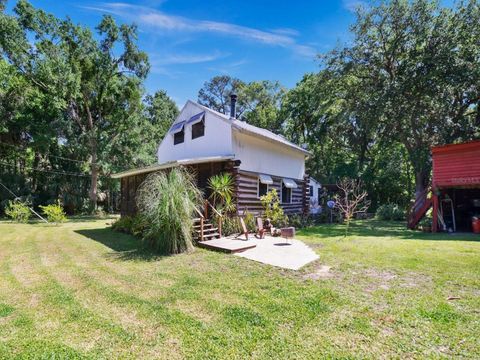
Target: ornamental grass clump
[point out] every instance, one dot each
(167, 201)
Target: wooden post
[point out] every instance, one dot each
(201, 229)
(435, 211)
(232, 168)
(220, 225)
(205, 211)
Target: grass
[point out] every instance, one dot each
(79, 290)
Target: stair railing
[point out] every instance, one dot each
(216, 212)
(202, 219)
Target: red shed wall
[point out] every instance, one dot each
(456, 165)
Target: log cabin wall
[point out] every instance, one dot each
(203, 171)
(129, 187)
(247, 194)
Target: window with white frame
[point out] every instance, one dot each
(262, 189)
(286, 193)
(263, 184)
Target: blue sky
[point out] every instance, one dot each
(188, 42)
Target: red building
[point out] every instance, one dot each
(455, 186)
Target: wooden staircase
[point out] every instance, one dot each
(419, 209)
(203, 229)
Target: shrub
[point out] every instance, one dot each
(272, 209)
(167, 201)
(300, 221)
(133, 225)
(390, 212)
(249, 221)
(100, 212)
(54, 213)
(18, 211)
(230, 224)
(124, 224)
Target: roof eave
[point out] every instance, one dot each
(260, 136)
(171, 164)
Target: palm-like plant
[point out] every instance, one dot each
(167, 202)
(221, 186)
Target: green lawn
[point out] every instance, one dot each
(81, 290)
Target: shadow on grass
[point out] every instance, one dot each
(125, 247)
(87, 218)
(377, 228)
(75, 219)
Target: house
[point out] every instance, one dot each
(315, 191)
(455, 190)
(210, 143)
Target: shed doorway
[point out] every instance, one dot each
(466, 205)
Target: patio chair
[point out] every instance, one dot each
(260, 229)
(243, 227)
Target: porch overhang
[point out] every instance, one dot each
(171, 164)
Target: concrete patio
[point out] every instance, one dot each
(292, 254)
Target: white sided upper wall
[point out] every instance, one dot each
(266, 157)
(217, 140)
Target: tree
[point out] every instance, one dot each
(414, 70)
(160, 112)
(95, 83)
(258, 102)
(351, 200)
(216, 92)
(262, 102)
(109, 93)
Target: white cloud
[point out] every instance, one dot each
(161, 21)
(286, 31)
(185, 58)
(230, 68)
(353, 5)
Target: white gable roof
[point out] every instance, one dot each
(245, 127)
(219, 143)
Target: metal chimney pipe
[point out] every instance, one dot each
(233, 106)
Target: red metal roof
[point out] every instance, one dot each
(456, 165)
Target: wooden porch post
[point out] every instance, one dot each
(232, 168)
(205, 209)
(435, 211)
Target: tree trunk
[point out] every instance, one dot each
(94, 176)
(421, 182)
